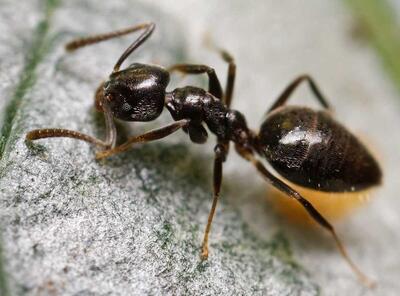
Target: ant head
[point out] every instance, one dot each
(136, 93)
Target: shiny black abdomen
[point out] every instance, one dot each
(311, 149)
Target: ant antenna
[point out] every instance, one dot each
(81, 42)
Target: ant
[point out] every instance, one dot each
(306, 147)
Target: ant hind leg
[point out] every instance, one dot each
(278, 184)
(284, 97)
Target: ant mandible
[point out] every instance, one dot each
(307, 147)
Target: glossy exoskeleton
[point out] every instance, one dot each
(307, 147)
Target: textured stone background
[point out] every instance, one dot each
(133, 224)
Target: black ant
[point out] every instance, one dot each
(306, 147)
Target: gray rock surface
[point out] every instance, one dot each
(133, 224)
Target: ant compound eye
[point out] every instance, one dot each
(120, 101)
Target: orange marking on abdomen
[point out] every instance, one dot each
(331, 205)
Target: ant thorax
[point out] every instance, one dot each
(199, 106)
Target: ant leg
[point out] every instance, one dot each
(292, 86)
(148, 27)
(152, 135)
(111, 132)
(214, 86)
(228, 58)
(308, 207)
(230, 82)
(220, 155)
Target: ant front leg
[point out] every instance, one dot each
(313, 212)
(111, 132)
(284, 97)
(152, 135)
(214, 86)
(221, 150)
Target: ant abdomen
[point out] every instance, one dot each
(311, 149)
(137, 93)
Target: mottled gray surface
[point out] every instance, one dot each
(14, 43)
(133, 224)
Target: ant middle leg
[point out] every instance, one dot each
(221, 150)
(230, 80)
(231, 75)
(214, 86)
(321, 220)
(152, 135)
(282, 99)
(148, 27)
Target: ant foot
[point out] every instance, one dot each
(204, 253)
